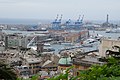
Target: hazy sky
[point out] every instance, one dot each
(48, 9)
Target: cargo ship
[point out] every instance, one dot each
(41, 29)
(117, 30)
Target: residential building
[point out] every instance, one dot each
(107, 44)
(83, 62)
(23, 71)
(15, 41)
(34, 64)
(76, 36)
(64, 63)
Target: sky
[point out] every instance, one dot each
(48, 9)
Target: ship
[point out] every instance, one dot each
(116, 30)
(41, 29)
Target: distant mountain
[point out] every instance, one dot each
(22, 21)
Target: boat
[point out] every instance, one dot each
(116, 30)
(14, 29)
(98, 37)
(35, 30)
(89, 41)
(41, 29)
(46, 44)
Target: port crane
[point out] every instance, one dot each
(82, 19)
(68, 22)
(56, 25)
(60, 18)
(79, 22)
(56, 19)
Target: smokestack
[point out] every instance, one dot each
(107, 18)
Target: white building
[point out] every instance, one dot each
(107, 44)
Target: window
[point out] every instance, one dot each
(37, 67)
(77, 73)
(30, 67)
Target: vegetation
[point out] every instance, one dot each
(109, 71)
(6, 72)
(35, 77)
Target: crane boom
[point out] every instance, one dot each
(79, 18)
(28, 45)
(60, 18)
(82, 18)
(56, 18)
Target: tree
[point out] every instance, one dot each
(35, 77)
(6, 72)
(109, 71)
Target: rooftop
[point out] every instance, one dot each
(64, 61)
(86, 60)
(33, 60)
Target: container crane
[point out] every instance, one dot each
(57, 23)
(68, 22)
(78, 20)
(60, 18)
(55, 19)
(82, 19)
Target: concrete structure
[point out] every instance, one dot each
(21, 40)
(34, 64)
(106, 44)
(51, 64)
(2, 35)
(76, 36)
(3, 57)
(23, 71)
(2, 46)
(40, 47)
(15, 41)
(70, 36)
